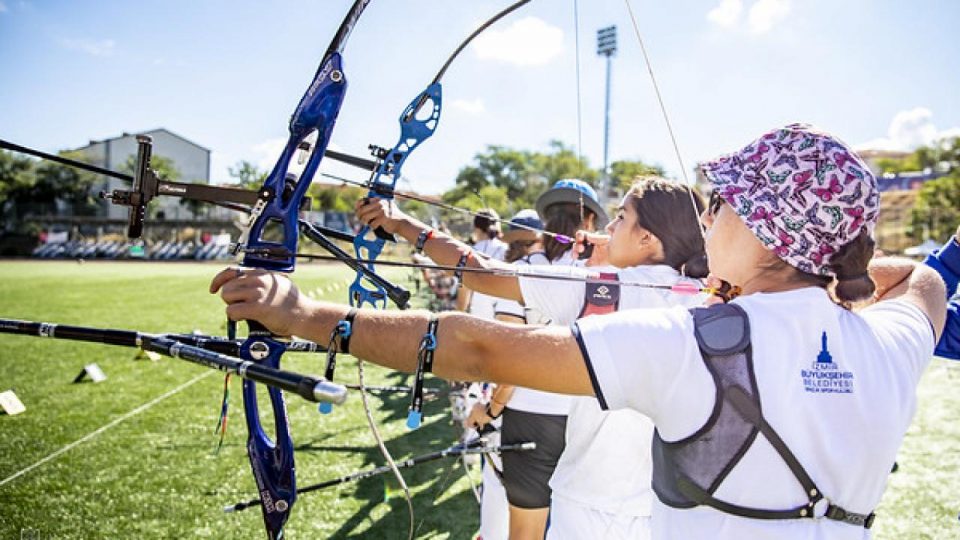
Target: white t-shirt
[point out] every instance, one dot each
(844, 429)
(481, 305)
(606, 464)
(526, 399)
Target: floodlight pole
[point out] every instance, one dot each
(606, 46)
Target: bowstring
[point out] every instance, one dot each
(576, 62)
(676, 150)
(383, 447)
(666, 117)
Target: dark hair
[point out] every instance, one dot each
(849, 264)
(671, 212)
(562, 218)
(518, 249)
(487, 221)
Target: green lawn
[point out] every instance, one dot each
(154, 475)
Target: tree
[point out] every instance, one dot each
(17, 177)
(248, 175)
(508, 180)
(623, 173)
(32, 188)
(937, 210)
(334, 198)
(944, 152)
(72, 186)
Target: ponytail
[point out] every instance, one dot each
(849, 264)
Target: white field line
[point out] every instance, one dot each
(105, 427)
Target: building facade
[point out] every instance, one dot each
(191, 161)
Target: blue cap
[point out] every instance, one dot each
(520, 225)
(573, 190)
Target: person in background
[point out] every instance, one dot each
(946, 261)
(494, 508)
(528, 415)
(485, 236)
(569, 206)
(442, 285)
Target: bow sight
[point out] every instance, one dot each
(147, 185)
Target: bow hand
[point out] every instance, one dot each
(268, 298)
(381, 215)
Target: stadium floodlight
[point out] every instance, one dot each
(607, 41)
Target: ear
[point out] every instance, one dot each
(649, 241)
(646, 237)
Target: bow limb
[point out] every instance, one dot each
(277, 211)
(415, 127)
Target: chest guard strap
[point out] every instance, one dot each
(688, 472)
(600, 298)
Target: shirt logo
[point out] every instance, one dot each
(602, 292)
(825, 376)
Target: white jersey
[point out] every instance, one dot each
(494, 509)
(481, 305)
(526, 399)
(843, 421)
(606, 465)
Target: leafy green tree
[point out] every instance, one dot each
(911, 163)
(623, 173)
(248, 175)
(17, 178)
(945, 151)
(507, 180)
(334, 198)
(937, 210)
(563, 162)
(70, 185)
(35, 188)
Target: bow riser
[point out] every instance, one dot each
(413, 131)
(279, 205)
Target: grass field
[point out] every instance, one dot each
(154, 475)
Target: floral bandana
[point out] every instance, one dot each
(802, 192)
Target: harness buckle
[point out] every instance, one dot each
(821, 507)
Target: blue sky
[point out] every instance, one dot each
(227, 74)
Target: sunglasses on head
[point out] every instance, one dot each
(716, 201)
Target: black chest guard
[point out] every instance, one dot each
(688, 472)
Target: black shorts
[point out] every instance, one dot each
(526, 475)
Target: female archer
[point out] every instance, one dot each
(528, 415)
(778, 414)
(601, 483)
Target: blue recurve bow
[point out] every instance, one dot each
(270, 242)
(418, 122)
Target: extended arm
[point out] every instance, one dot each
(443, 249)
(469, 349)
(915, 283)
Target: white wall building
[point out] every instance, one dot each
(190, 159)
